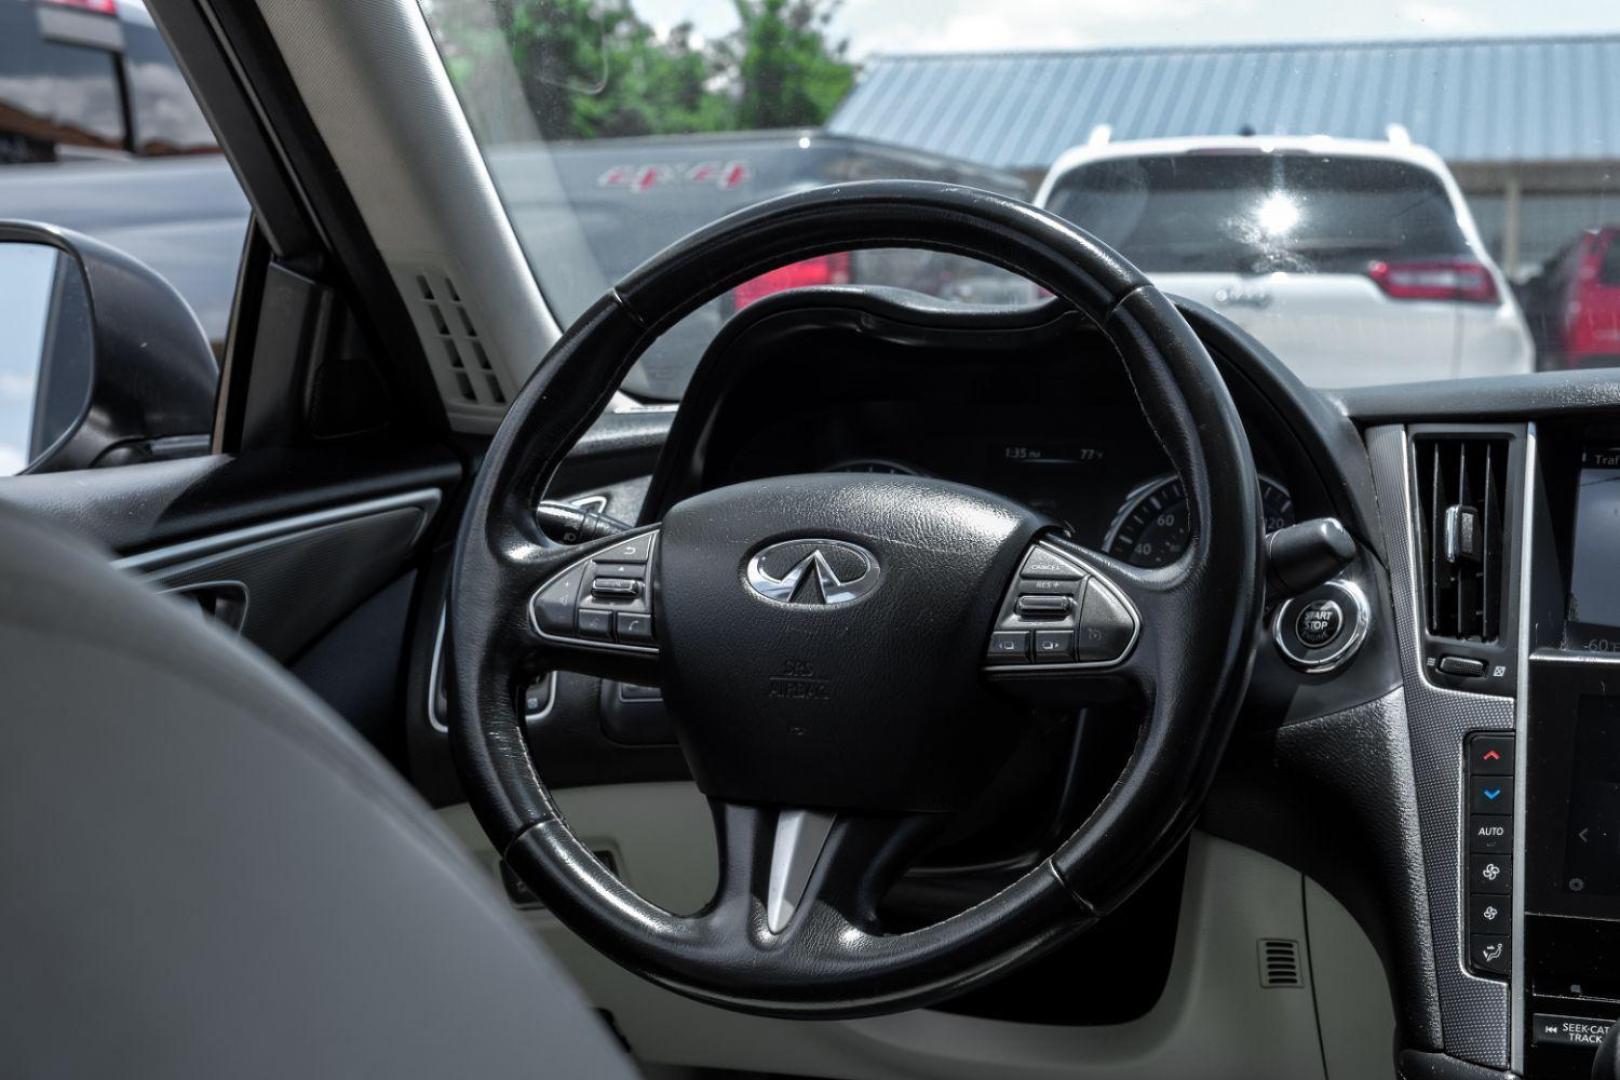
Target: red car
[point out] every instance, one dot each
(1579, 303)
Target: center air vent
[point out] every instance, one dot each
(1462, 486)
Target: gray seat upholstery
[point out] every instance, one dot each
(203, 873)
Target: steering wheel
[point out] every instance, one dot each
(849, 657)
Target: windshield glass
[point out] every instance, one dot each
(1416, 176)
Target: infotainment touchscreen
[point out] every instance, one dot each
(1592, 837)
(1594, 591)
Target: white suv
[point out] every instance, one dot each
(1357, 262)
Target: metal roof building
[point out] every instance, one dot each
(1515, 118)
(1477, 100)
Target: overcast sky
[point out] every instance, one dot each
(970, 25)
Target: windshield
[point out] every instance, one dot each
(1411, 174)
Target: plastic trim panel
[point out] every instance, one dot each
(427, 500)
(1473, 1011)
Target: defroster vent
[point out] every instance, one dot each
(1462, 512)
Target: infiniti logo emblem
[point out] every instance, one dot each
(813, 572)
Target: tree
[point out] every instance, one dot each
(594, 68)
(788, 74)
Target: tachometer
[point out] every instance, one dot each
(1151, 527)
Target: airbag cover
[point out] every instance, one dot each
(823, 637)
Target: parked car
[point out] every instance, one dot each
(91, 78)
(1357, 260)
(99, 133)
(1574, 303)
(102, 98)
(626, 198)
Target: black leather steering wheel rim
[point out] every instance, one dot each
(1199, 618)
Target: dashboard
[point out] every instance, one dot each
(1453, 783)
(1041, 412)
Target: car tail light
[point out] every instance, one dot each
(100, 7)
(823, 270)
(1435, 279)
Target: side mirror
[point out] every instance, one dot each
(101, 362)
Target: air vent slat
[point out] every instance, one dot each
(1490, 592)
(1465, 583)
(1437, 511)
(1462, 498)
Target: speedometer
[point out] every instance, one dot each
(1151, 527)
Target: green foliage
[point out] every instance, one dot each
(788, 75)
(594, 68)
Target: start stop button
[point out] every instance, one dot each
(1319, 622)
(1321, 630)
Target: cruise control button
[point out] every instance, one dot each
(1491, 794)
(596, 624)
(1106, 627)
(1489, 914)
(1009, 646)
(1490, 834)
(1489, 953)
(1490, 874)
(1054, 645)
(1043, 607)
(1041, 563)
(1050, 586)
(616, 588)
(554, 604)
(1319, 622)
(620, 569)
(633, 628)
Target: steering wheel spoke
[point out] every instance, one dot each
(592, 609)
(1070, 627)
(786, 869)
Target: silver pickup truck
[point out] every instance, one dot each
(100, 134)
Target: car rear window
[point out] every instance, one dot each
(1254, 213)
(1609, 269)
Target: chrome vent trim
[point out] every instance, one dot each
(1462, 522)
